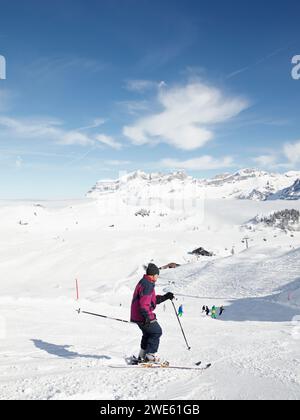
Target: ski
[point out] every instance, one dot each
(168, 366)
(164, 365)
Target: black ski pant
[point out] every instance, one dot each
(151, 337)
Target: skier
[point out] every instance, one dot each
(143, 304)
(214, 312)
(207, 310)
(180, 311)
(203, 309)
(222, 309)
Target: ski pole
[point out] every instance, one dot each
(188, 347)
(103, 316)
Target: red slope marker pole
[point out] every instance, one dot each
(77, 291)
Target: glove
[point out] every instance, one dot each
(169, 296)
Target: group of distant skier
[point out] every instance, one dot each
(213, 311)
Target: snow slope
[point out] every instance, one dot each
(48, 351)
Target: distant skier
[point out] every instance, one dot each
(203, 309)
(180, 311)
(222, 309)
(143, 304)
(207, 310)
(214, 312)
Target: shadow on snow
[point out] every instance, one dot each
(265, 309)
(63, 352)
(259, 310)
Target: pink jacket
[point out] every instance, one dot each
(144, 301)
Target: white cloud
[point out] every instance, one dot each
(46, 67)
(117, 162)
(97, 122)
(74, 137)
(287, 156)
(50, 129)
(108, 141)
(142, 86)
(266, 161)
(292, 152)
(200, 163)
(188, 116)
(32, 128)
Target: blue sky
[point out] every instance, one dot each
(97, 87)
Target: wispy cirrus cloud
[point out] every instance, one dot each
(97, 122)
(31, 128)
(161, 56)
(108, 141)
(58, 64)
(188, 117)
(199, 164)
(35, 153)
(258, 62)
(51, 129)
(183, 37)
(142, 86)
(117, 162)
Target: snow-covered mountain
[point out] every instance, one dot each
(245, 184)
(290, 193)
(140, 179)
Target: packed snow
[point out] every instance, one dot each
(49, 351)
